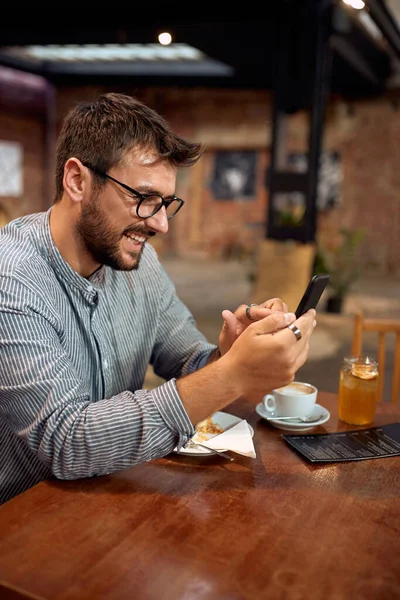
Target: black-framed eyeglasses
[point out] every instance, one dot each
(147, 205)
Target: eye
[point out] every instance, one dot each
(153, 200)
(131, 197)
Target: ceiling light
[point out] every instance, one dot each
(358, 4)
(105, 53)
(165, 38)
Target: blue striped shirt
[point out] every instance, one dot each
(73, 357)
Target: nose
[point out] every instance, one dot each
(159, 221)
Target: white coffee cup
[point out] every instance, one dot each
(297, 399)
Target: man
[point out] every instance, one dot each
(85, 306)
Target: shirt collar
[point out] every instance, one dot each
(63, 269)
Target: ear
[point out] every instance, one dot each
(76, 180)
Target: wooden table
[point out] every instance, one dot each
(274, 527)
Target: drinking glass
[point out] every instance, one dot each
(358, 390)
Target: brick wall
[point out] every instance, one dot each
(366, 135)
(29, 131)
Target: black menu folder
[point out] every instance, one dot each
(360, 444)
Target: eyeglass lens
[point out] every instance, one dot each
(151, 204)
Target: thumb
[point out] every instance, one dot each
(228, 332)
(274, 322)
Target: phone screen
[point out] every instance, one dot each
(312, 294)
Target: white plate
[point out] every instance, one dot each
(318, 410)
(225, 421)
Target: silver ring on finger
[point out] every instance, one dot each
(295, 330)
(248, 315)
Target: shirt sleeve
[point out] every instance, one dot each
(46, 404)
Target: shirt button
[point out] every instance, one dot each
(92, 294)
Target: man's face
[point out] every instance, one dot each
(110, 231)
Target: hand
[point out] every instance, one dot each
(267, 355)
(235, 323)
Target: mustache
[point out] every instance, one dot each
(140, 230)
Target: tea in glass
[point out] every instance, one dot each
(358, 390)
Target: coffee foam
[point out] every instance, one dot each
(296, 389)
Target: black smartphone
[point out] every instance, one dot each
(313, 293)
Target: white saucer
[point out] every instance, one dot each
(225, 421)
(297, 427)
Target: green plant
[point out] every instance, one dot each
(340, 259)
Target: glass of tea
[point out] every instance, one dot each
(358, 390)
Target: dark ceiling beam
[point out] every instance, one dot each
(351, 55)
(384, 20)
(248, 48)
(353, 44)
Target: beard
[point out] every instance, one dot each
(102, 241)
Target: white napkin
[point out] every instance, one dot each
(237, 438)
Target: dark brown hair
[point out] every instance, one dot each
(102, 132)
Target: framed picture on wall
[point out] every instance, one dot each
(330, 176)
(234, 175)
(10, 169)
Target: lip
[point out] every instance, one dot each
(131, 244)
(128, 234)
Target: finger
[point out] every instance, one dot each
(302, 356)
(229, 321)
(274, 322)
(307, 318)
(228, 332)
(305, 324)
(275, 304)
(256, 312)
